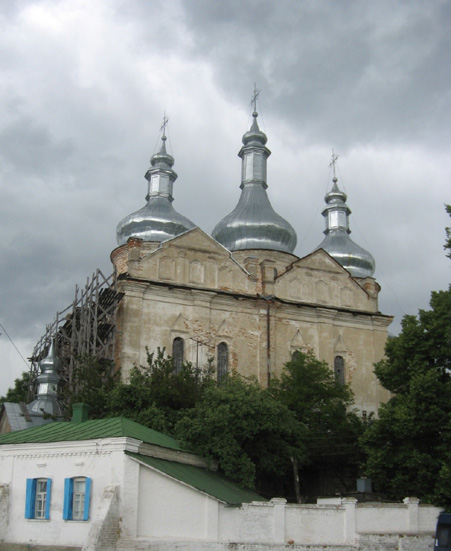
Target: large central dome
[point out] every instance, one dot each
(254, 224)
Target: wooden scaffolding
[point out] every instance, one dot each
(85, 328)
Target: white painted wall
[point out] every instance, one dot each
(305, 525)
(146, 506)
(101, 460)
(162, 499)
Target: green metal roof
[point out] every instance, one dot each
(90, 430)
(210, 482)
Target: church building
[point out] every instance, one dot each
(239, 297)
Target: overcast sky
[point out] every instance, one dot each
(84, 85)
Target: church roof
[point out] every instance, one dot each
(20, 418)
(254, 224)
(157, 221)
(357, 260)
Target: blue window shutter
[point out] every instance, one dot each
(87, 499)
(68, 492)
(47, 502)
(30, 498)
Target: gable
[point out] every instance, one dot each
(319, 279)
(322, 261)
(193, 259)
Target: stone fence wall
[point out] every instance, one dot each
(345, 525)
(324, 524)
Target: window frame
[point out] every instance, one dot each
(70, 496)
(178, 353)
(31, 499)
(222, 351)
(339, 370)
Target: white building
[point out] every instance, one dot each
(114, 485)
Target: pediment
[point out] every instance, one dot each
(193, 259)
(297, 341)
(224, 329)
(180, 325)
(319, 279)
(320, 260)
(340, 345)
(198, 240)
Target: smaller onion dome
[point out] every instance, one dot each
(358, 261)
(254, 224)
(46, 401)
(157, 220)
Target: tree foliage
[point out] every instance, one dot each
(408, 447)
(308, 388)
(447, 245)
(92, 381)
(252, 434)
(19, 392)
(256, 434)
(156, 395)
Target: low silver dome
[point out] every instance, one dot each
(254, 224)
(157, 220)
(47, 400)
(358, 261)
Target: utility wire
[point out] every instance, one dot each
(17, 350)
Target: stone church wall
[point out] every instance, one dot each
(262, 305)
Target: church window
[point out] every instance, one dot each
(77, 495)
(339, 370)
(296, 355)
(37, 501)
(178, 346)
(223, 360)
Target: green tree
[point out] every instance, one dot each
(408, 447)
(156, 395)
(308, 388)
(19, 392)
(448, 234)
(92, 381)
(250, 432)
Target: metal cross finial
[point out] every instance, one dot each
(164, 124)
(333, 161)
(255, 96)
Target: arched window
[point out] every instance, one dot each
(339, 370)
(178, 346)
(223, 360)
(296, 355)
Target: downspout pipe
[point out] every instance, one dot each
(268, 300)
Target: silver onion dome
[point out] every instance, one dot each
(157, 220)
(358, 261)
(254, 224)
(46, 401)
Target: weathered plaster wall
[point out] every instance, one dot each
(193, 288)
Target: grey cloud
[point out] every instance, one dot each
(28, 147)
(347, 72)
(369, 77)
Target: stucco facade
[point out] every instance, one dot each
(134, 505)
(263, 305)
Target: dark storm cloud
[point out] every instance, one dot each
(81, 104)
(350, 72)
